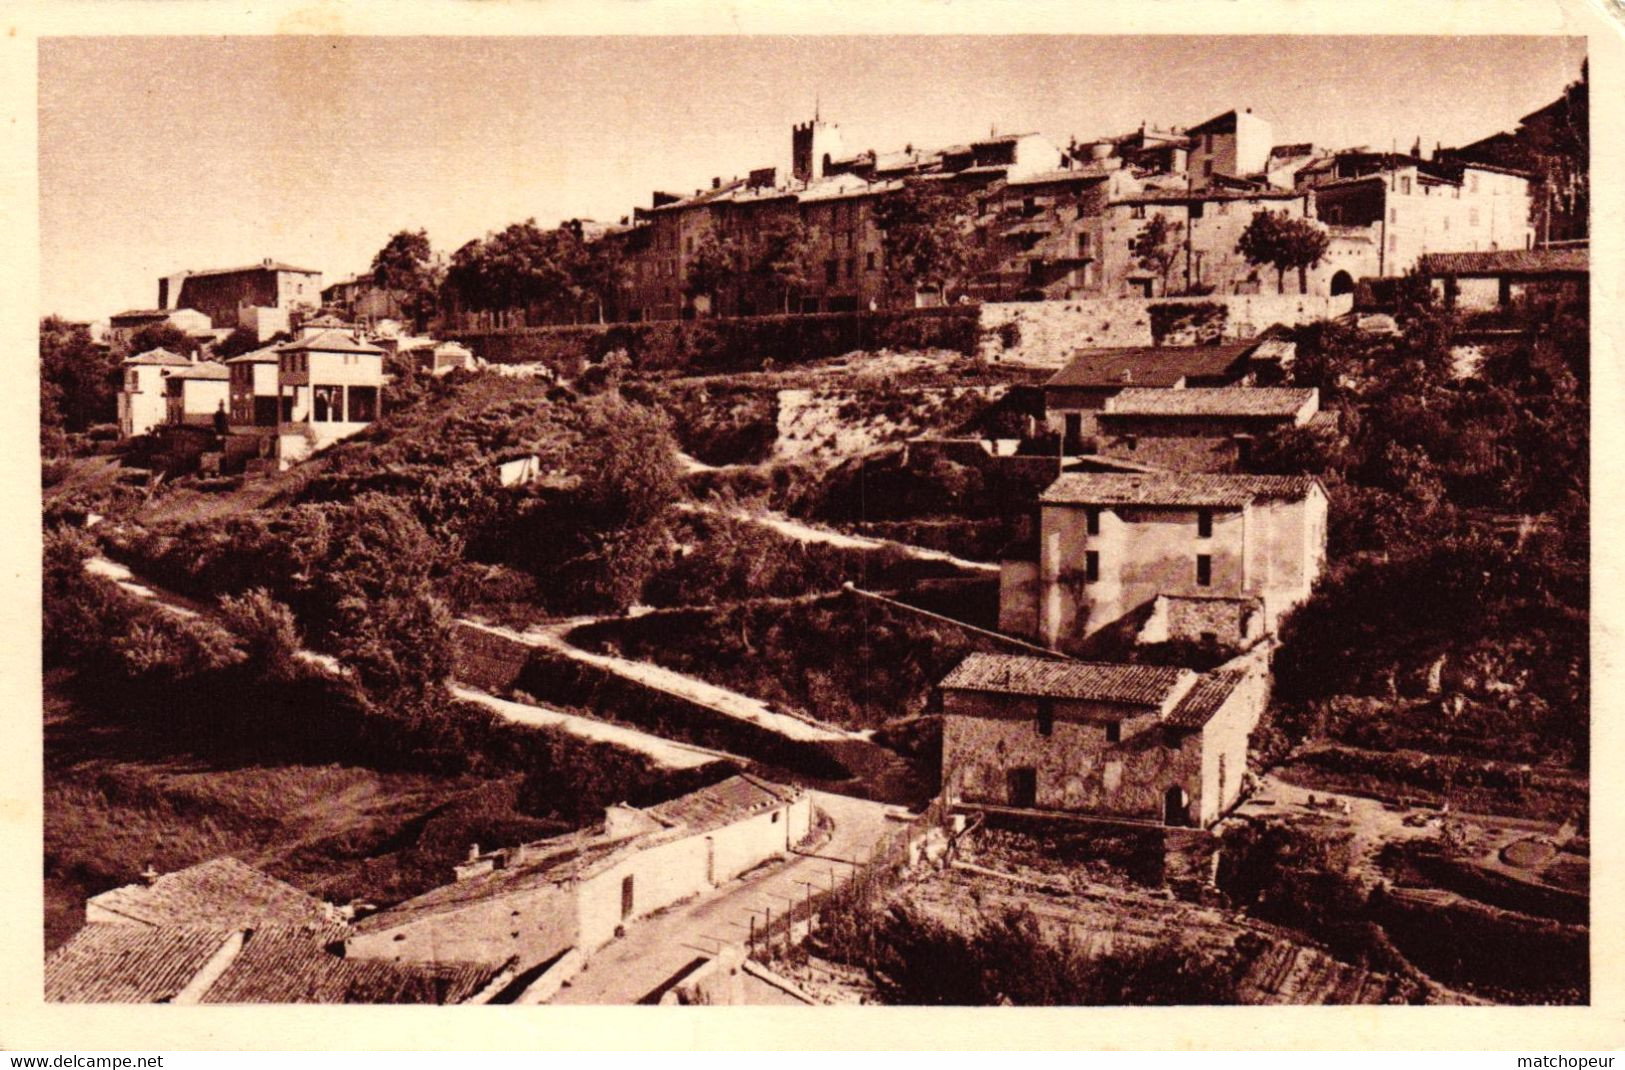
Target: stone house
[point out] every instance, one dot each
(142, 398)
(225, 294)
(1227, 555)
(121, 328)
(330, 386)
(1486, 280)
(1074, 395)
(1199, 429)
(1410, 206)
(1143, 743)
(532, 903)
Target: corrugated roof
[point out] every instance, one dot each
(1189, 489)
(1278, 401)
(1149, 365)
(330, 342)
(291, 964)
(1507, 262)
(111, 963)
(1203, 700)
(722, 803)
(1009, 674)
(222, 891)
(158, 356)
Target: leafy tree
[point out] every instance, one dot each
(601, 275)
(406, 267)
(930, 237)
(78, 379)
(522, 266)
(1156, 247)
(782, 262)
(266, 631)
(162, 336)
(713, 267)
(1284, 244)
(239, 341)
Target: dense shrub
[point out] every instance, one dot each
(914, 959)
(1203, 320)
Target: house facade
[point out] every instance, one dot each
(1233, 553)
(1142, 743)
(225, 295)
(330, 386)
(197, 394)
(1199, 429)
(531, 903)
(122, 327)
(143, 399)
(1077, 394)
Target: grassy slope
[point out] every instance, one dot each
(117, 798)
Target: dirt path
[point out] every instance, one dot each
(179, 604)
(662, 751)
(812, 533)
(722, 700)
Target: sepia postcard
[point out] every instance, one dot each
(686, 506)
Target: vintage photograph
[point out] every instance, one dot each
(1090, 521)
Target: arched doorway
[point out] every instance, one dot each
(1342, 283)
(1176, 807)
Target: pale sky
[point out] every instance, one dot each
(163, 154)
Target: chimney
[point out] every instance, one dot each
(716, 182)
(268, 261)
(150, 874)
(473, 852)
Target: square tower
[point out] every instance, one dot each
(813, 146)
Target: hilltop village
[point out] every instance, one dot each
(1159, 557)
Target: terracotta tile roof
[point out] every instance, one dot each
(1277, 401)
(203, 369)
(1008, 674)
(575, 854)
(291, 964)
(1210, 194)
(723, 803)
(1507, 262)
(275, 265)
(330, 342)
(1149, 365)
(158, 356)
(1203, 700)
(222, 892)
(267, 355)
(112, 963)
(1186, 489)
(141, 313)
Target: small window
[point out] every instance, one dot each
(1114, 731)
(1204, 524)
(1393, 215)
(1091, 566)
(1204, 570)
(869, 261)
(1472, 217)
(1092, 514)
(832, 271)
(1405, 185)
(1196, 209)
(775, 820)
(1138, 212)
(1207, 168)
(1046, 717)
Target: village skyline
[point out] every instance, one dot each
(331, 214)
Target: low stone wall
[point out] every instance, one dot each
(1051, 331)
